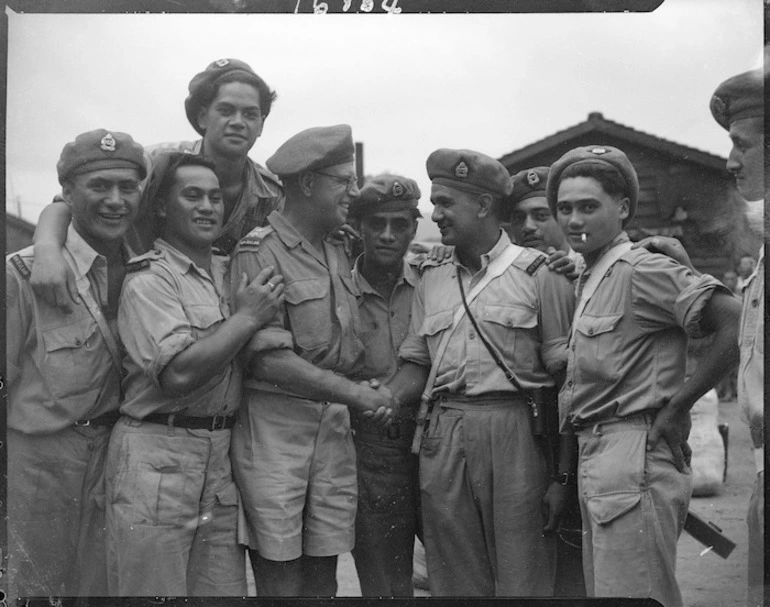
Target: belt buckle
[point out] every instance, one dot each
(218, 422)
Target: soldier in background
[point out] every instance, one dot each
(388, 491)
(227, 105)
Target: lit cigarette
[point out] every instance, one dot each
(583, 237)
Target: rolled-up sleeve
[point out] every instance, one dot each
(557, 306)
(414, 348)
(152, 323)
(274, 335)
(665, 293)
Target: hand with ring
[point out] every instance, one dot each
(260, 298)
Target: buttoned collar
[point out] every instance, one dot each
(407, 275)
(84, 255)
(179, 260)
(503, 242)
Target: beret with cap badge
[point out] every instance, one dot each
(468, 171)
(529, 183)
(208, 77)
(739, 97)
(386, 193)
(598, 155)
(98, 150)
(312, 149)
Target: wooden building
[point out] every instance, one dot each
(684, 192)
(18, 233)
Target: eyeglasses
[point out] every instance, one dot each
(350, 182)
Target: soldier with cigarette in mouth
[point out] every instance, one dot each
(624, 396)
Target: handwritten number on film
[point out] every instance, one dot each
(321, 8)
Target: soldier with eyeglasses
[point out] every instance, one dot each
(292, 448)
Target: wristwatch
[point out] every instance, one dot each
(565, 479)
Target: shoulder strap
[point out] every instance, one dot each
(496, 268)
(597, 274)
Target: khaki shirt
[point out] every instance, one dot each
(751, 370)
(319, 320)
(629, 345)
(59, 366)
(384, 323)
(168, 303)
(261, 195)
(525, 313)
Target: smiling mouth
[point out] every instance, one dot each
(205, 222)
(112, 217)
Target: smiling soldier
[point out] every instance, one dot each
(64, 373)
(293, 454)
(172, 504)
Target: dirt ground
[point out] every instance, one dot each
(706, 580)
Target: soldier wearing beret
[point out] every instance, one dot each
(172, 504)
(529, 219)
(387, 517)
(293, 455)
(624, 396)
(227, 105)
(64, 374)
(738, 106)
(487, 340)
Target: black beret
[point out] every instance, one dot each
(213, 72)
(529, 183)
(98, 150)
(386, 193)
(314, 148)
(598, 155)
(468, 171)
(739, 97)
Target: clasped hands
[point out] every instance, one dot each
(379, 406)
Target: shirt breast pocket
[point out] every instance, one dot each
(308, 310)
(434, 324)
(508, 326)
(203, 319)
(70, 352)
(598, 346)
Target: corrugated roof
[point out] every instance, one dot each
(597, 123)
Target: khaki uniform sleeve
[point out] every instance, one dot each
(18, 317)
(557, 307)
(414, 348)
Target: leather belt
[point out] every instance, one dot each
(217, 422)
(636, 421)
(105, 419)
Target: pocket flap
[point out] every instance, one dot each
(303, 290)
(436, 322)
(609, 506)
(202, 317)
(228, 495)
(596, 325)
(73, 335)
(520, 317)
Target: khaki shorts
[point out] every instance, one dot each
(295, 466)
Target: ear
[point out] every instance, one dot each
(201, 118)
(66, 193)
(624, 207)
(305, 183)
(486, 203)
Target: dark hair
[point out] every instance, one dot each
(608, 177)
(161, 180)
(208, 92)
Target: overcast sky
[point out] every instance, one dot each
(407, 84)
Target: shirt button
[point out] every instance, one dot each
(754, 303)
(472, 335)
(569, 383)
(590, 331)
(392, 313)
(78, 342)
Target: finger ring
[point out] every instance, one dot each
(271, 285)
